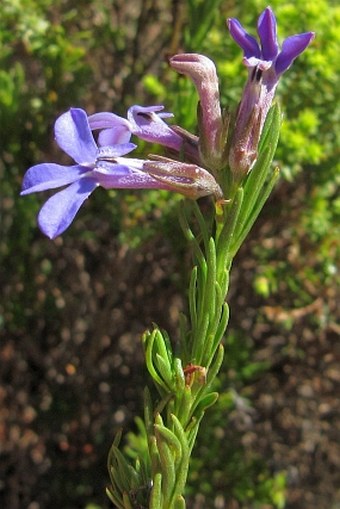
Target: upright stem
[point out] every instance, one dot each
(184, 374)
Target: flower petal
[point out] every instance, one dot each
(113, 136)
(266, 28)
(246, 41)
(115, 129)
(74, 136)
(58, 212)
(114, 151)
(148, 125)
(106, 119)
(49, 176)
(122, 176)
(257, 62)
(292, 47)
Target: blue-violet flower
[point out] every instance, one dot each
(266, 63)
(104, 166)
(145, 122)
(96, 166)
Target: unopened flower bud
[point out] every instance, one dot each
(266, 62)
(202, 71)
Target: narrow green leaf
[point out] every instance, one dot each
(117, 480)
(156, 499)
(184, 407)
(167, 467)
(115, 499)
(202, 274)
(223, 280)
(246, 227)
(192, 432)
(148, 346)
(163, 346)
(126, 501)
(148, 412)
(116, 475)
(178, 375)
(159, 419)
(171, 440)
(154, 454)
(117, 438)
(209, 295)
(215, 365)
(272, 125)
(165, 371)
(143, 470)
(180, 433)
(206, 311)
(182, 471)
(227, 233)
(219, 332)
(207, 401)
(126, 472)
(213, 337)
(253, 187)
(193, 297)
(179, 503)
(198, 341)
(220, 297)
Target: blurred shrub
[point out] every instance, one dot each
(106, 55)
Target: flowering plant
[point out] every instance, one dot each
(230, 161)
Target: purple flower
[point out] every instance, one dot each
(95, 166)
(144, 122)
(267, 56)
(104, 166)
(266, 63)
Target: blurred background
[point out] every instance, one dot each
(72, 310)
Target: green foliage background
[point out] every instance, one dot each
(103, 55)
